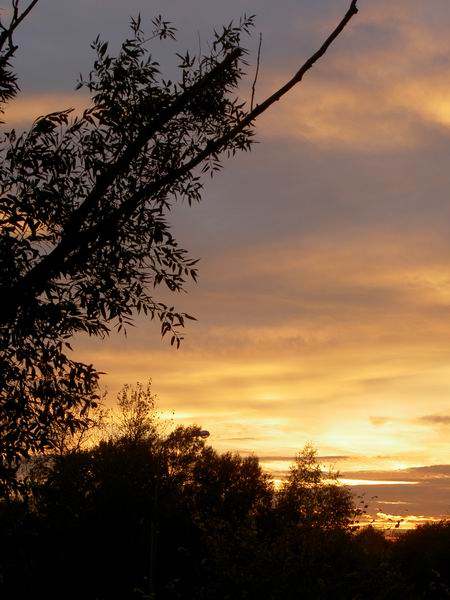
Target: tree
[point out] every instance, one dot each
(229, 488)
(312, 497)
(220, 534)
(84, 210)
(137, 406)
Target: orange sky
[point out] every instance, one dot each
(323, 304)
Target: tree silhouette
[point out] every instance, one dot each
(313, 497)
(84, 531)
(137, 416)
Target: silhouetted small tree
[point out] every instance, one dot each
(136, 419)
(314, 497)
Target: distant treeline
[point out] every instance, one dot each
(142, 515)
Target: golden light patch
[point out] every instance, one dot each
(23, 110)
(428, 97)
(331, 114)
(350, 481)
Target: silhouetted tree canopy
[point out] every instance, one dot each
(137, 405)
(312, 497)
(214, 515)
(84, 213)
(223, 531)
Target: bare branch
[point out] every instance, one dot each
(215, 146)
(297, 78)
(16, 20)
(256, 72)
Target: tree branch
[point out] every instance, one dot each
(215, 146)
(102, 231)
(256, 72)
(52, 265)
(6, 35)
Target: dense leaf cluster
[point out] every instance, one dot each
(84, 230)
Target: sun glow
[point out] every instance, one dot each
(353, 482)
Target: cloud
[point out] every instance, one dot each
(321, 458)
(423, 474)
(378, 421)
(23, 110)
(435, 419)
(310, 340)
(383, 87)
(427, 496)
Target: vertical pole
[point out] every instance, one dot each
(153, 537)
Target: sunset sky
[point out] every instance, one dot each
(323, 302)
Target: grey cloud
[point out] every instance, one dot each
(435, 419)
(337, 457)
(379, 421)
(420, 499)
(428, 496)
(419, 474)
(431, 471)
(54, 44)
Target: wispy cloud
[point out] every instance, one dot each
(435, 420)
(26, 108)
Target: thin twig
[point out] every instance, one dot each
(256, 72)
(200, 53)
(21, 17)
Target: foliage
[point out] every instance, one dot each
(84, 229)
(85, 531)
(230, 488)
(137, 406)
(425, 553)
(311, 496)
(8, 79)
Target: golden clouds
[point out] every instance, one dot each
(428, 98)
(339, 115)
(346, 339)
(366, 399)
(23, 110)
(383, 115)
(380, 89)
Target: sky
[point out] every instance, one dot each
(323, 303)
